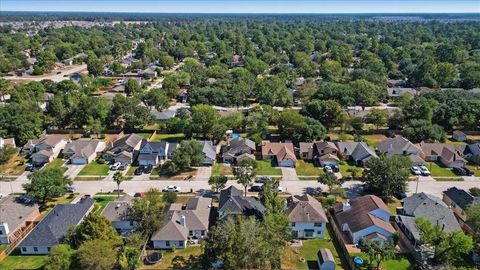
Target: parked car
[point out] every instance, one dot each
(29, 167)
(400, 195)
(315, 191)
(256, 188)
(115, 166)
(328, 169)
(71, 189)
(424, 170)
(416, 170)
(459, 171)
(263, 179)
(26, 199)
(171, 188)
(468, 171)
(280, 189)
(139, 170)
(148, 169)
(122, 166)
(335, 168)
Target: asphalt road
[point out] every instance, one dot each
(54, 76)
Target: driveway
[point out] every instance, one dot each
(203, 173)
(289, 174)
(73, 170)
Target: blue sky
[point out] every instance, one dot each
(247, 6)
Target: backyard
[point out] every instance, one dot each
(346, 170)
(175, 137)
(307, 168)
(264, 167)
(17, 261)
(95, 168)
(102, 200)
(399, 262)
(15, 166)
(187, 258)
(308, 251)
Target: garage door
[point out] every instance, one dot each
(78, 161)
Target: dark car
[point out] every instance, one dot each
(263, 179)
(148, 169)
(139, 170)
(468, 171)
(122, 167)
(400, 195)
(459, 171)
(335, 168)
(256, 188)
(29, 167)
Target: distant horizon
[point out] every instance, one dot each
(246, 6)
(235, 13)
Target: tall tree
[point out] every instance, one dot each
(217, 182)
(118, 178)
(47, 184)
(147, 211)
(387, 176)
(97, 254)
(94, 226)
(376, 250)
(60, 257)
(245, 172)
(205, 120)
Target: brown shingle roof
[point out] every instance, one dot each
(281, 151)
(305, 209)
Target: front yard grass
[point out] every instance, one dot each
(18, 261)
(95, 168)
(448, 179)
(221, 169)
(308, 251)
(399, 262)
(307, 168)
(264, 167)
(131, 170)
(102, 200)
(345, 170)
(187, 258)
(56, 164)
(439, 170)
(475, 169)
(15, 166)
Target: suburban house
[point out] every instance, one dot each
(83, 151)
(151, 153)
(233, 202)
(164, 115)
(358, 152)
(14, 217)
(447, 154)
(44, 149)
(471, 152)
(124, 149)
(7, 142)
(459, 136)
(401, 146)
(53, 228)
(237, 149)
(306, 217)
(325, 259)
(459, 200)
(426, 206)
(209, 153)
(118, 213)
(190, 222)
(367, 216)
(326, 153)
(305, 150)
(282, 153)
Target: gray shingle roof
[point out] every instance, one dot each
(397, 145)
(362, 151)
(131, 140)
(208, 149)
(305, 209)
(118, 210)
(232, 201)
(81, 148)
(51, 230)
(432, 208)
(14, 213)
(461, 198)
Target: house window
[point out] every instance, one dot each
(190, 233)
(319, 232)
(293, 224)
(180, 243)
(1, 232)
(316, 224)
(35, 249)
(202, 233)
(309, 233)
(24, 249)
(167, 243)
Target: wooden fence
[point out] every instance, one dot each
(15, 241)
(342, 244)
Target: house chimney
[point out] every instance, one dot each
(182, 221)
(346, 206)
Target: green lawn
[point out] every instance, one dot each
(344, 170)
(16, 261)
(187, 258)
(145, 135)
(175, 137)
(474, 169)
(102, 201)
(374, 139)
(448, 179)
(56, 164)
(220, 169)
(3, 247)
(307, 168)
(399, 262)
(15, 166)
(131, 170)
(309, 252)
(95, 168)
(264, 167)
(438, 170)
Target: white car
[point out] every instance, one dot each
(116, 166)
(171, 188)
(415, 170)
(280, 189)
(328, 169)
(424, 170)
